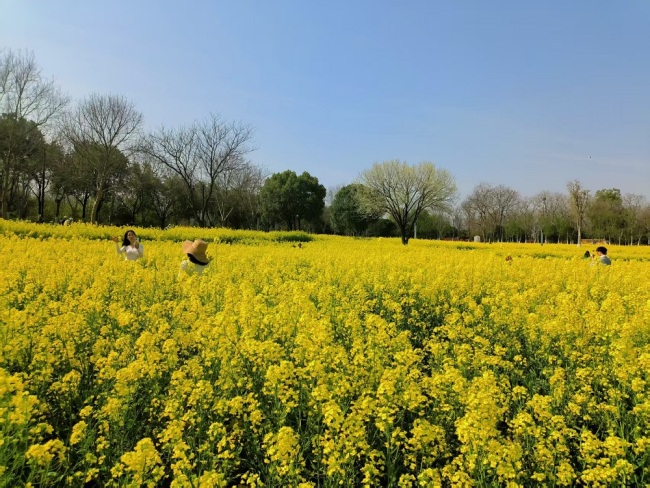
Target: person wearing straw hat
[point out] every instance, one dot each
(197, 259)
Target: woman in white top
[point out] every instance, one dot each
(131, 246)
(197, 260)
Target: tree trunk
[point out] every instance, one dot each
(57, 207)
(5, 192)
(96, 206)
(5, 204)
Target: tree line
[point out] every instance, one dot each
(93, 161)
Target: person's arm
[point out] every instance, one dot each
(119, 249)
(140, 249)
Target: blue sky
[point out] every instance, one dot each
(526, 94)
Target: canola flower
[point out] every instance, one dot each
(346, 362)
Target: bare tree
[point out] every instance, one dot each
(221, 151)
(644, 221)
(405, 191)
(201, 155)
(579, 201)
(522, 221)
(158, 193)
(633, 206)
(552, 215)
(25, 95)
(504, 201)
(488, 206)
(103, 130)
(238, 190)
(477, 210)
(174, 151)
(457, 221)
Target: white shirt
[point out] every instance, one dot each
(131, 252)
(191, 268)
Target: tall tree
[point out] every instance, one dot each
(578, 201)
(405, 191)
(434, 225)
(644, 222)
(137, 192)
(350, 213)
(163, 198)
(606, 214)
(21, 141)
(79, 181)
(292, 199)
(48, 159)
(25, 95)
(201, 155)
(62, 185)
(520, 225)
(237, 198)
(489, 206)
(633, 206)
(552, 215)
(103, 129)
(477, 207)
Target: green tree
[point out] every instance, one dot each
(134, 198)
(79, 182)
(606, 214)
(98, 174)
(62, 185)
(434, 225)
(291, 199)
(405, 191)
(47, 161)
(28, 102)
(21, 146)
(350, 213)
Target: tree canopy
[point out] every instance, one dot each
(292, 200)
(353, 210)
(405, 191)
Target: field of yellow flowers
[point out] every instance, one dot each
(343, 362)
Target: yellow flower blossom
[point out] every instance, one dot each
(348, 361)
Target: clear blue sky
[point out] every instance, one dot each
(526, 94)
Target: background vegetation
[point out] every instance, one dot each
(93, 161)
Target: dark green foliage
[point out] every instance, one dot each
(351, 212)
(292, 201)
(21, 151)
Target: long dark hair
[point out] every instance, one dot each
(125, 240)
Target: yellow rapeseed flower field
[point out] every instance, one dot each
(343, 362)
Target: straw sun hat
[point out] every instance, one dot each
(196, 249)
